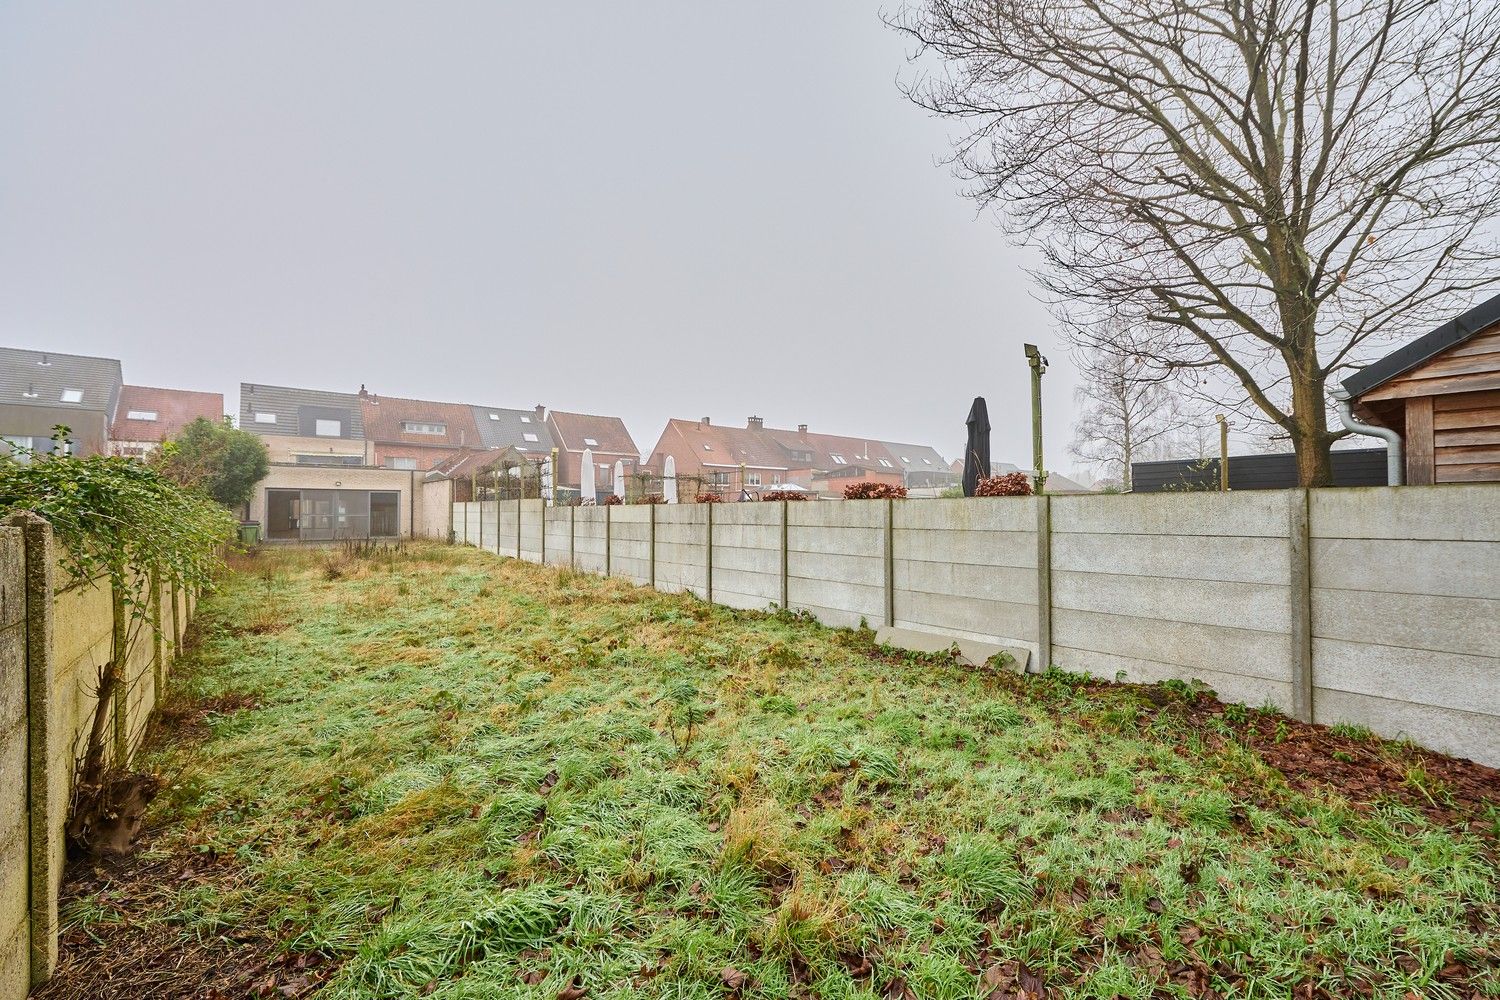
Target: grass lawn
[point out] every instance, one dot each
(442, 774)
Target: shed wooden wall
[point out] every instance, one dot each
(1451, 413)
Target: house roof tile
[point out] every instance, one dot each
(173, 410)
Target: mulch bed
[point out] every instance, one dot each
(1315, 759)
(138, 956)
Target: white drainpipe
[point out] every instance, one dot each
(1395, 458)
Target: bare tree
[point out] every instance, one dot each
(1273, 186)
(1126, 414)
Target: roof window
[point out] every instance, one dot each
(494, 416)
(838, 459)
(261, 417)
(72, 396)
(591, 442)
(528, 436)
(141, 415)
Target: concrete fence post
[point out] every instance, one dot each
(785, 514)
(176, 622)
(158, 652)
(1043, 582)
(889, 537)
(708, 548)
(1300, 542)
(651, 509)
(543, 515)
(46, 802)
(520, 513)
(119, 653)
(609, 542)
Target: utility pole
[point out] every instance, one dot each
(1038, 367)
(1223, 453)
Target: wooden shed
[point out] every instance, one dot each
(1441, 393)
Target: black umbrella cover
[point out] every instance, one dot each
(977, 451)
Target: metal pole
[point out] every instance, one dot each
(1038, 367)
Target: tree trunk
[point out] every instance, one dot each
(1308, 425)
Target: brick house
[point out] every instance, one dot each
(415, 434)
(769, 457)
(147, 416)
(606, 437)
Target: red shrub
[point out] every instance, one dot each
(874, 491)
(707, 497)
(611, 501)
(1012, 484)
(785, 495)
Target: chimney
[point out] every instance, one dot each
(363, 392)
(755, 423)
(540, 411)
(702, 421)
(802, 429)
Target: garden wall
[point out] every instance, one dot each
(1376, 606)
(55, 634)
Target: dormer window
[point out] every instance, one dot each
(424, 427)
(71, 396)
(141, 415)
(328, 428)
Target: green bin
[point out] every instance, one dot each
(249, 532)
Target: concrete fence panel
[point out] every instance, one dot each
(559, 540)
(1192, 585)
(682, 548)
(1406, 613)
(590, 541)
(967, 568)
(630, 542)
(836, 560)
(747, 554)
(532, 513)
(507, 529)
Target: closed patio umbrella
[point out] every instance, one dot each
(977, 451)
(669, 480)
(586, 494)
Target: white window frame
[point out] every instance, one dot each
(528, 436)
(321, 428)
(262, 417)
(591, 442)
(149, 415)
(400, 462)
(71, 396)
(752, 478)
(429, 427)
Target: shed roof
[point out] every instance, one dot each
(1403, 359)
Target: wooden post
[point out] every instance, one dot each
(1223, 453)
(1421, 465)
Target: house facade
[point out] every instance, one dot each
(146, 416)
(306, 426)
(41, 389)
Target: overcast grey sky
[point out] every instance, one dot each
(649, 209)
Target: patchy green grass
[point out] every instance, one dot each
(464, 777)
